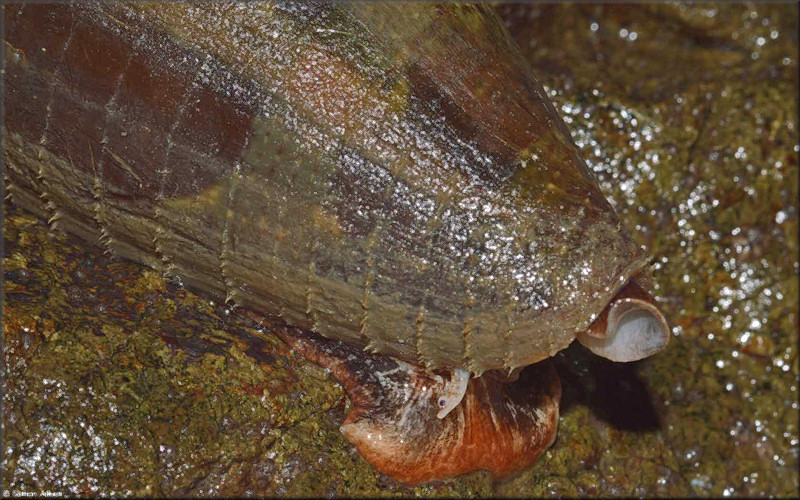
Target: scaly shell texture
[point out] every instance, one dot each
(390, 176)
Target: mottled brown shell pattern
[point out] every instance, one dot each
(390, 176)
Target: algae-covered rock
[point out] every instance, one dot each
(120, 383)
(688, 116)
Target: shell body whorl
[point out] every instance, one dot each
(397, 179)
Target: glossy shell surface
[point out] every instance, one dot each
(393, 177)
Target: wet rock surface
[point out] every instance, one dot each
(688, 116)
(119, 383)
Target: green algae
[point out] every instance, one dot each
(118, 383)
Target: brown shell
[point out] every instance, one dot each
(391, 176)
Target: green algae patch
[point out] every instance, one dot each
(115, 386)
(121, 383)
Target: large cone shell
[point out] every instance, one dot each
(391, 176)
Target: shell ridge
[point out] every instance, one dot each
(226, 238)
(368, 281)
(10, 188)
(163, 173)
(50, 205)
(508, 352)
(435, 222)
(420, 321)
(98, 207)
(311, 311)
(466, 335)
(372, 240)
(101, 207)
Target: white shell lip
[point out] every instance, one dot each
(634, 328)
(453, 393)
